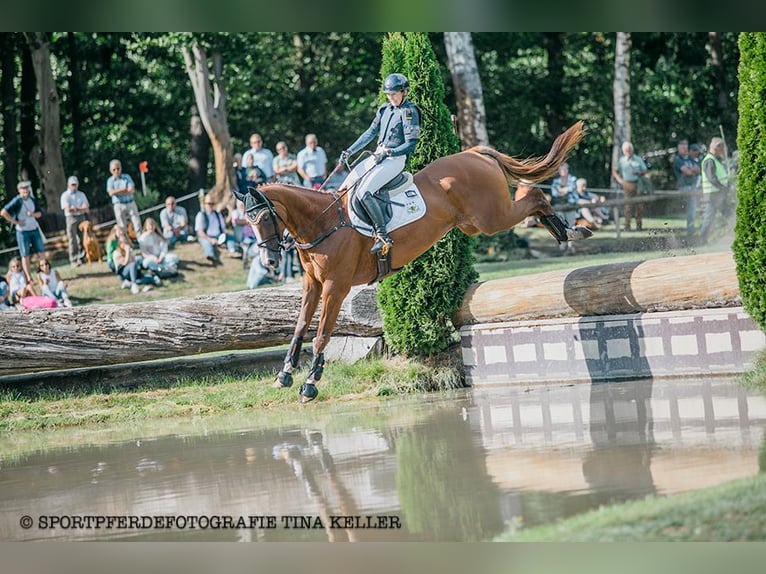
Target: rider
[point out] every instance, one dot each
(397, 125)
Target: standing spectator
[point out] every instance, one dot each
(627, 171)
(18, 285)
(715, 185)
(254, 175)
(285, 166)
(121, 189)
(23, 211)
(154, 251)
(51, 284)
(312, 163)
(75, 206)
(262, 157)
(175, 222)
(687, 173)
(210, 227)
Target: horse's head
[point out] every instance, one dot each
(264, 220)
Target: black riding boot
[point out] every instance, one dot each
(375, 212)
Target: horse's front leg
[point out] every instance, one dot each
(333, 295)
(309, 302)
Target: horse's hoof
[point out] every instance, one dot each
(578, 232)
(283, 380)
(308, 393)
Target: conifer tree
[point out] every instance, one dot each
(750, 230)
(418, 303)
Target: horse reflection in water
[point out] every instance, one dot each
(468, 190)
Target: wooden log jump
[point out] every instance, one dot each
(49, 339)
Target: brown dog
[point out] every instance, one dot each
(90, 242)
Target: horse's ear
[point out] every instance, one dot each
(238, 195)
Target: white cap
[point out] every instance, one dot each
(73, 179)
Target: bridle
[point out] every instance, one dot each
(263, 207)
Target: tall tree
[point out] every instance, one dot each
(554, 93)
(47, 158)
(621, 91)
(469, 97)
(210, 95)
(199, 152)
(749, 245)
(417, 304)
(9, 116)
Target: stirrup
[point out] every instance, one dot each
(382, 244)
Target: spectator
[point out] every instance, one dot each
(175, 222)
(4, 302)
(210, 227)
(594, 217)
(154, 251)
(337, 177)
(121, 189)
(562, 186)
(715, 185)
(687, 172)
(286, 166)
(128, 266)
(254, 175)
(18, 286)
(51, 284)
(627, 171)
(262, 157)
(258, 274)
(75, 206)
(243, 233)
(312, 163)
(23, 211)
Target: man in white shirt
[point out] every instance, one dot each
(312, 163)
(174, 222)
(75, 206)
(262, 157)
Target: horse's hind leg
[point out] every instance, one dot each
(556, 225)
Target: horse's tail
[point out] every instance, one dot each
(536, 169)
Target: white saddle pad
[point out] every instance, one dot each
(407, 205)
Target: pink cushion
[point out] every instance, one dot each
(39, 302)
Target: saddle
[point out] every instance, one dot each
(402, 183)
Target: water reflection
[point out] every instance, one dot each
(464, 466)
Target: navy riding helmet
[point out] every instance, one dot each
(395, 83)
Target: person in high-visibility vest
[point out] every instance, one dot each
(715, 184)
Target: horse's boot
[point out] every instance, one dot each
(382, 241)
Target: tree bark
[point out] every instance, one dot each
(27, 115)
(621, 91)
(210, 96)
(471, 114)
(49, 339)
(555, 106)
(75, 101)
(8, 111)
(48, 160)
(199, 152)
(617, 288)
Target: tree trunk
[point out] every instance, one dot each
(75, 101)
(27, 123)
(471, 115)
(48, 339)
(715, 48)
(199, 152)
(210, 96)
(613, 289)
(48, 160)
(621, 90)
(554, 48)
(8, 110)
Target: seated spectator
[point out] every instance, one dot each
(128, 267)
(240, 228)
(210, 227)
(258, 274)
(154, 251)
(285, 166)
(594, 217)
(254, 175)
(175, 222)
(51, 284)
(18, 286)
(4, 303)
(562, 185)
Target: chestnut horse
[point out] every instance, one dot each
(468, 190)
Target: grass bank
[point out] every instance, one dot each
(50, 408)
(734, 511)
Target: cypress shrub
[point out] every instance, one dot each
(417, 304)
(750, 230)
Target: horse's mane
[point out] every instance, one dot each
(537, 168)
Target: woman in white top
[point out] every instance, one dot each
(154, 251)
(18, 286)
(51, 284)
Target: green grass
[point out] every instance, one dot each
(733, 511)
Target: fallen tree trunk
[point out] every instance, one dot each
(50, 339)
(665, 284)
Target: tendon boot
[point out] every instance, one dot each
(382, 241)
